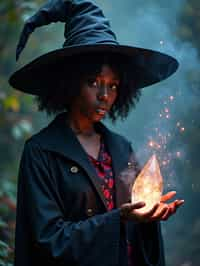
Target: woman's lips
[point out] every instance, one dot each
(101, 111)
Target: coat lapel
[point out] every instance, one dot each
(60, 138)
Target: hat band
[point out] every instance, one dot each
(79, 40)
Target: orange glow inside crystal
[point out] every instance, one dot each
(148, 185)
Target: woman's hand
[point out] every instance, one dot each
(130, 212)
(170, 208)
(160, 211)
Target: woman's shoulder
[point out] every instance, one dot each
(42, 138)
(37, 138)
(52, 130)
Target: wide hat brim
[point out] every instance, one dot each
(149, 67)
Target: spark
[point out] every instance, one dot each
(151, 144)
(182, 129)
(154, 144)
(171, 98)
(161, 42)
(178, 154)
(164, 162)
(166, 110)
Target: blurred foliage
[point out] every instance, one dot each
(18, 120)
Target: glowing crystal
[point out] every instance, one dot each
(148, 186)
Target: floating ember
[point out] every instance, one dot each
(148, 186)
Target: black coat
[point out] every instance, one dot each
(61, 211)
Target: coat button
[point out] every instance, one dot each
(89, 212)
(74, 169)
(130, 165)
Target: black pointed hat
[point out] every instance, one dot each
(86, 31)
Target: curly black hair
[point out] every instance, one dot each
(66, 85)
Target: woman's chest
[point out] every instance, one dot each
(77, 189)
(78, 186)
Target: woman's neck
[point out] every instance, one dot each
(81, 125)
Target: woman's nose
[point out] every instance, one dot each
(103, 93)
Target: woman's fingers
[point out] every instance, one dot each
(127, 209)
(175, 205)
(166, 215)
(138, 205)
(168, 196)
(179, 202)
(161, 210)
(145, 216)
(172, 207)
(150, 212)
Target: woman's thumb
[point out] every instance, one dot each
(138, 205)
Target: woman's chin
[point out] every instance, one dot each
(98, 117)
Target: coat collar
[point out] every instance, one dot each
(59, 137)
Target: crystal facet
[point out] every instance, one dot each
(148, 185)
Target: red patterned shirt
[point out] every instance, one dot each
(103, 166)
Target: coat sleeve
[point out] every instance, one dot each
(70, 243)
(146, 237)
(148, 244)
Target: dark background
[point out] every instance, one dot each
(165, 121)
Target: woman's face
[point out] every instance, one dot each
(97, 94)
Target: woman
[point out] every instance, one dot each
(73, 204)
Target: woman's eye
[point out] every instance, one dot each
(113, 87)
(92, 82)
